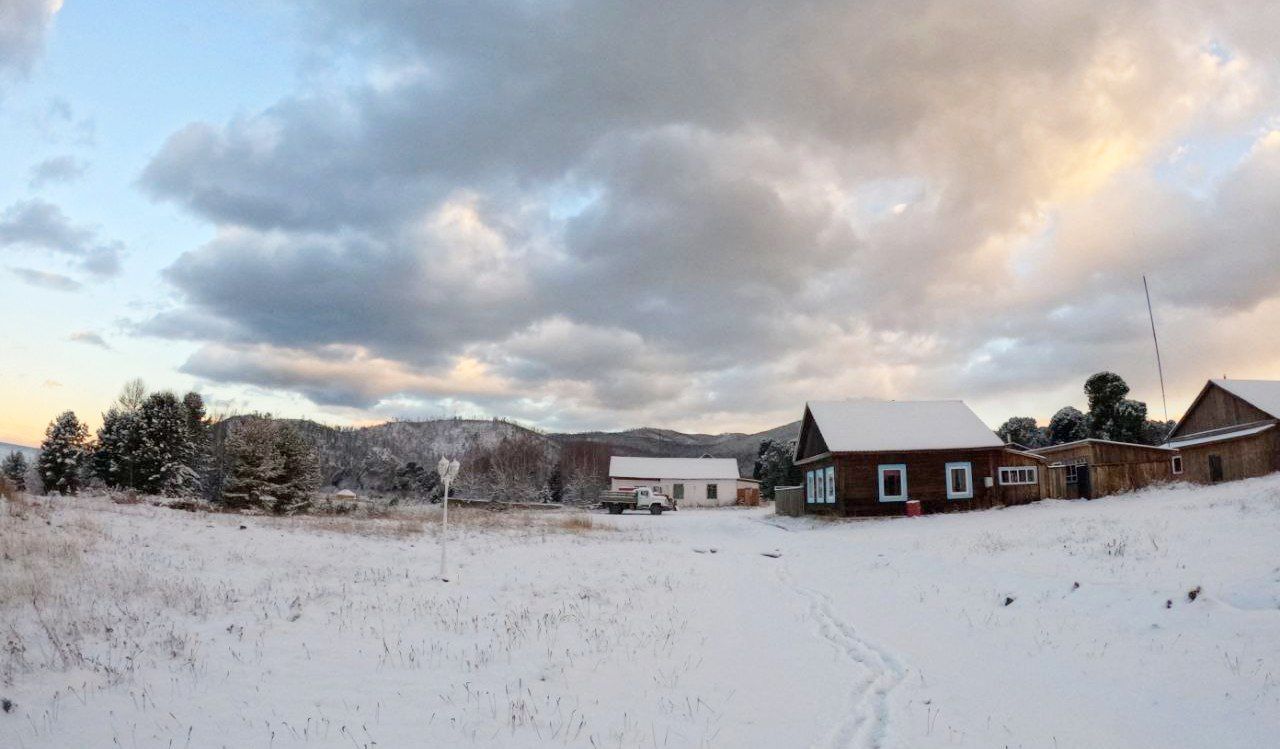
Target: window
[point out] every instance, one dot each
(959, 481)
(809, 488)
(1073, 470)
(677, 491)
(1215, 468)
(1177, 465)
(713, 491)
(893, 483)
(831, 484)
(1021, 475)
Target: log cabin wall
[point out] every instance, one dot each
(858, 480)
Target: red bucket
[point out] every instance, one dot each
(913, 508)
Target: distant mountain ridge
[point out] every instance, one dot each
(8, 447)
(651, 442)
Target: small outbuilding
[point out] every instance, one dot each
(1229, 432)
(1091, 468)
(690, 482)
(867, 457)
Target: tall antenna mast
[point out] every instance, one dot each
(1156, 341)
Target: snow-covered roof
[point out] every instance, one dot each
(877, 426)
(1264, 394)
(672, 468)
(1219, 436)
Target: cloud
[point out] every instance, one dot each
(46, 280)
(636, 212)
(39, 225)
(90, 338)
(23, 25)
(57, 170)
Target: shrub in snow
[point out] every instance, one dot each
(62, 453)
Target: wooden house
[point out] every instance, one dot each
(1091, 468)
(1229, 432)
(864, 457)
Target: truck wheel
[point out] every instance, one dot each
(655, 509)
(615, 509)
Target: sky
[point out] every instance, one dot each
(600, 215)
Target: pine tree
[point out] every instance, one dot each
(115, 457)
(166, 453)
(62, 453)
(1068, 425)
(14, 468)
(271, 466)
(1022, 430)
(774, 466)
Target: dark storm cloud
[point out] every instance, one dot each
(639, 210)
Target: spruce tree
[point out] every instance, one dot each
(14, 469)
(62, 453)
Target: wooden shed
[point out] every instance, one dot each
(1092, 468)
(864, 457)
(1229, 432)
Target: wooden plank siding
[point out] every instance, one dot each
(1215, 408)
(1246, 457)
(1113, 467)
(789, 501)
(858, 481)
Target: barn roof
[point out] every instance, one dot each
(1262, 394)
(672, 468)
(1219, 435)
(1065, 445)
(879, 426)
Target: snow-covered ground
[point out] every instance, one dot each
(131, 625)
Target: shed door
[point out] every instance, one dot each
(1215, 468)
(1084, 481)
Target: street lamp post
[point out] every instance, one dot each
(448, 470)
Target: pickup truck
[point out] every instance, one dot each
(641, 498)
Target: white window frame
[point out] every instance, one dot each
(880, 471)
(1176, 462)
(809, 482)
(968, 480)
(831, 484)
(1033, 475)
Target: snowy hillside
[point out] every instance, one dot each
(31, 452)
(1058, 624)
(667, 443)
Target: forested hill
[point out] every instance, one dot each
(666, 443)
(374, 458)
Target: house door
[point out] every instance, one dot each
(1084, 481)
(1215, 468)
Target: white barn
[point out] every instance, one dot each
(690, 482)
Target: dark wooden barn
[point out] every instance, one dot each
(1229, 432)
(1092, 468)
(862, 457)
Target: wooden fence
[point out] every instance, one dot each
(1106, 479)
(789, 501)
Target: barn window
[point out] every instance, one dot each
(893, 482)
(1073, 470)
(1177, 465)
(959, 481)
(1019, 475)
(712, 491)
